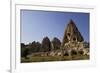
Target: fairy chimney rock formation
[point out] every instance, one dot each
(72, 37)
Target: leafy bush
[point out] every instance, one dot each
(24, 52)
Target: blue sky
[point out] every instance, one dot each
(35, 25)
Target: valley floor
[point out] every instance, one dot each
(54, 58)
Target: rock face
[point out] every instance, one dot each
(55, 43)
(72, 37)
(46, 45)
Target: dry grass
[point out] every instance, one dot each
(54, 58)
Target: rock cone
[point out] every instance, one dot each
(71, 35)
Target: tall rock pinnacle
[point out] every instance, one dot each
(72, 34)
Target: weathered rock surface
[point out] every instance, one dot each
(72, 37)
(55, 43)
(46, 45)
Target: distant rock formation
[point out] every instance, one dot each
(55, 43)
(46, 45)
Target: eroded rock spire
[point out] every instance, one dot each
(72, 34)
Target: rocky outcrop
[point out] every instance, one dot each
(72, 37)
(46, 45)
(55, 43)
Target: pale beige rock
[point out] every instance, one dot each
(72, 37)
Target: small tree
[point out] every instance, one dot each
(23, 45)
(24, 52)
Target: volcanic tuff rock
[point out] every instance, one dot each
(46, 45)
(55, 43)
(72, 37)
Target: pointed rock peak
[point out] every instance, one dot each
(71, 24)
(71, 21)
(72, 33)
